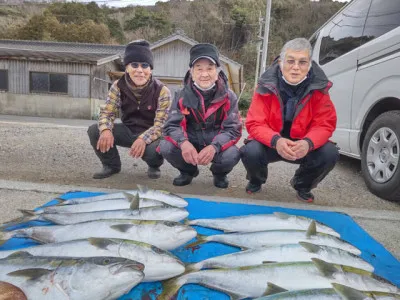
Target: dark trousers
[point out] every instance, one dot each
(222, 163)
(313, 167)
(123, 137)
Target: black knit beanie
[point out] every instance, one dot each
(138, 51)
(205, 50)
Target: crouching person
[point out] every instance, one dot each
(204, 122)
(291, 118)
(144, 103)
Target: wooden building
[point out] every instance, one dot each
(71, 80)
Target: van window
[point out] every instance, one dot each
(345, 32)
(383, 16)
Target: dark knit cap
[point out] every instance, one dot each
(208, 51)
(138, 51)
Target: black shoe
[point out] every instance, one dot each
(184, 178)
(153, 173)
(106, 172)
(252, 188)
(221, 181)
(303, 195)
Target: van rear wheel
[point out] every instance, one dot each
(380, 164)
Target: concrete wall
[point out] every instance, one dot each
(54, 106)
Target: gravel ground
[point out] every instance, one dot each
(62, 155)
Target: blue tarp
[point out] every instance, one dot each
(384, 263)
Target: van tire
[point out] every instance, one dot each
(389, 190)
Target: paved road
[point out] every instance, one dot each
(57, 152)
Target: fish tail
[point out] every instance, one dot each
(60, 201)
(27, 212)
(170, 288)
(201, 239)
(192, 268)
(4, 236)
(17, 221)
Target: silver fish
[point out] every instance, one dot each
(302, 251)
(166, 235)
(268, 279)
(71, 278)
(311, 294)
(249, 240)
(159, 264)
(349, 293)
(262, 222)
(144, 192)
(148, 213)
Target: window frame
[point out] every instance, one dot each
(48, 82)
(7, 87)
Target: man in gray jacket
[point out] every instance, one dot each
(204, 122)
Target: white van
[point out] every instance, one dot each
(359, 50)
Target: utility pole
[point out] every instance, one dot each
(266, 33)
(259, 39)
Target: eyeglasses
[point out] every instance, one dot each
(301, 63)
(136, 65)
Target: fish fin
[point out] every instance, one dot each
(19, 254)
(60, 201)
(273, 289)
(348, 293)
(170, 288)
(143, 189)
(27, 212)
(281, 215)
(310, 247)
(268, 261)
(128, 196)
(201, 239)
(31, 274)
(327, 269)
(312, 229)
(135, 202)
(192, 268)
(121, 227)
(101, 243)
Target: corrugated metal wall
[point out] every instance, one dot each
(18, 74)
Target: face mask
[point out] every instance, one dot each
(202, 89)
(293, 84)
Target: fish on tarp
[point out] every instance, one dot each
(166, 235)
(262, 222)
(250, 240)
(349, 293)
(310, 294)
(159, 264)
(302, 251)
(9, 291)
(144, 192)
(148, 213)
(132, 203)
(71, 278)
(268, 279)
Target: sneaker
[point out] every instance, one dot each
(252, 188)
(106, 172)
(303, 195)
(221, 181)
(184, 178)
(153, 173)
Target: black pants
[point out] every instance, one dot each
(222, 163)
(313, 167)
(123, 137)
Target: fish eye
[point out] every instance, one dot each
(106, 261)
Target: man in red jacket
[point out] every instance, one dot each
(291, 118)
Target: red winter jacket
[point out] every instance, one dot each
(314, 119)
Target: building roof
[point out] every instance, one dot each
(180, 35)
(56, 51)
